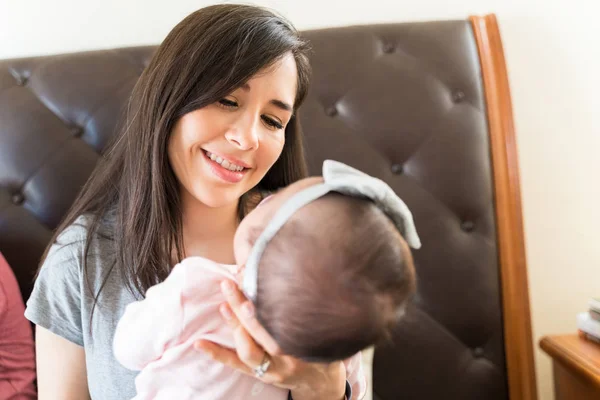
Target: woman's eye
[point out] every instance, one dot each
(226, 103)
(272, 123)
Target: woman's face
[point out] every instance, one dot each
(221, 151)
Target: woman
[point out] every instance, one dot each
(210, 126)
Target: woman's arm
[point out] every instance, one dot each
(61, 371)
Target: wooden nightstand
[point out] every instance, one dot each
(576, 364)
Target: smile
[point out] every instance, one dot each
(224, 163)
(225, 169)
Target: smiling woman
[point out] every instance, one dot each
(211, 124)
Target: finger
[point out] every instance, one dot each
(256, 330)
(244, 312)
(223, 355)
(250, 352)
(228, 315)
(233, 295)
(247, 349)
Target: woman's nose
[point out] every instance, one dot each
(243, 134)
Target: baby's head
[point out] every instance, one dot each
(334, 279)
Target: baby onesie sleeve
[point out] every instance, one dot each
(149, 326)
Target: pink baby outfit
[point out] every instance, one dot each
(156, 335)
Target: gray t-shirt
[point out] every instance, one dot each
(61, 302)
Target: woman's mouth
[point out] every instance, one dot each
(225, 169)
(224, 163)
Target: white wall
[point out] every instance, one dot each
(553, 58)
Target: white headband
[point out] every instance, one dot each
(340, 178)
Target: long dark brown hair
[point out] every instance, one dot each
(204, 58)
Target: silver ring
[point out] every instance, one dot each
(260, 371)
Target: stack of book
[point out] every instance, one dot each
(588, 322)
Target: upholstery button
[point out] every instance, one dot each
(477, 352)
(21, 80)
(397, 169)
(458, 96)
(467, 226)
(388, 48)
(18, 199)
(76, 131)
(331, 111)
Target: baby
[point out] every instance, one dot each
(327, 264)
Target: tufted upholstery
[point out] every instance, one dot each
(403, 102)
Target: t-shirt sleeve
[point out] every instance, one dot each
(356, 376)
(55, 302)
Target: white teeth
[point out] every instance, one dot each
(224, 163)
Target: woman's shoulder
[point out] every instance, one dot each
(77, 231)
(103, 226)
(88, 233)
(60, 295)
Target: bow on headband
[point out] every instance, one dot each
(340, 178)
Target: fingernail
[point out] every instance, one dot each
(225, 312)
(247, 310)
(227, 287)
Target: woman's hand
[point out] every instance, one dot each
(254, 345)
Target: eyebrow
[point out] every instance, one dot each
(277, 103)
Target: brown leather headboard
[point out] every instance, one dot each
(404, 102)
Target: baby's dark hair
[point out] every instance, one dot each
(334, 280)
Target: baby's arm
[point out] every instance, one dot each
(148, 327)
(356, 376)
